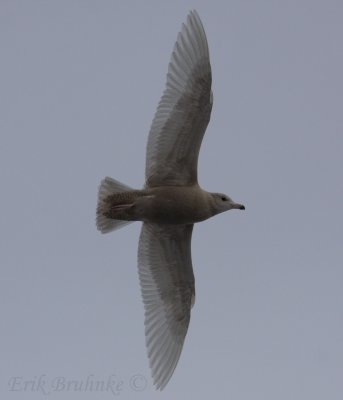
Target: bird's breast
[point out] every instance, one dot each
(173, 205)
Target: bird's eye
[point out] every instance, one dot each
(224, 198)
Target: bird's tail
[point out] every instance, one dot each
(109, 187)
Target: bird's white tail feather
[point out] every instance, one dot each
(108, 187)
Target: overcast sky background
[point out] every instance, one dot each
(79, 85)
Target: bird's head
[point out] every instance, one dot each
(221, 202)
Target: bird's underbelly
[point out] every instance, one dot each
(169, 209)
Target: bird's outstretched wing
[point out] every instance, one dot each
(167, 284)
(183, 112)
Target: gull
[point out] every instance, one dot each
(171, 200)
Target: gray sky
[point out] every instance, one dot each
(79, 84)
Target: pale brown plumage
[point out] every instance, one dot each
(171, 201)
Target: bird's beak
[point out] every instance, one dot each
(238, 206)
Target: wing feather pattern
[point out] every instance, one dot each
(183, 112)
(167, 285)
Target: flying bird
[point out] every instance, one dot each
(171, 200)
